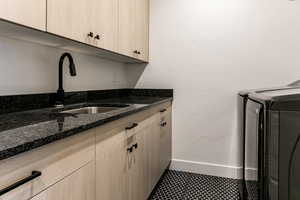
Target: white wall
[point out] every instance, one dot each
(208, 50)
(31, 68)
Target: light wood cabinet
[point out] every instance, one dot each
(138, 171)
(134, 28)
(122, 160)
(112, 167)
(30, 13)
(78, 186)
(142, 29)
(105, 13)
(120, 26)
(165, 139)
(55, 161)
(153, 150)
(71, 19)
(130, 163)
(127, 27)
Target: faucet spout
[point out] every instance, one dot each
(60, 95)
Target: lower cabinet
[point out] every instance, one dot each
(112, 165)
(78, 186)
(153, 150)
(122, 160)
(130, 163)
(138, 166)
(165, 139)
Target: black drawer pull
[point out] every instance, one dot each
(163, 110)
(130, 149)
(163, 124)
(135, 145)
(132, 126)
(33, 175)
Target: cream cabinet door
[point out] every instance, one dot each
(138, 171)
(134, 28)
(153, 149)
(71, 19)
(105, 13)
(112, 167)
(166, 139)
(30, 13)
(127, 27)
(78, 186)
(142, 29)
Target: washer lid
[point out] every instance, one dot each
(278, 99)
(280, 92)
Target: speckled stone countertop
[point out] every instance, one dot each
(25, 130)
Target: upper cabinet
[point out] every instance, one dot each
(105, 16)
(30, 13)
(142, 29)
(94, 22)
(71, 19)
(134, 28)
(119, 26)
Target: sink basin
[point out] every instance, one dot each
(91, 110)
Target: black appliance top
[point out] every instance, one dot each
(277, 98)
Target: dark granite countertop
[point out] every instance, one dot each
(25, 130)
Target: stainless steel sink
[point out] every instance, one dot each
(90, 110)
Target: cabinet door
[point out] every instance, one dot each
(166, 140)
(105, 14)
(138, 172)
(78, 186)
(153, 149)
(70, 19)
(112, 167)
(30, 13)
(142, 29)
(127, 27)
(134, 28)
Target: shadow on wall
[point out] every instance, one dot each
(134, 73)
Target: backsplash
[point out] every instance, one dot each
(29, 68)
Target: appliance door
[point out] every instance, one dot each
(242, 100)
(253, 150)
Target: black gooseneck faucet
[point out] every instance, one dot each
(60, 95)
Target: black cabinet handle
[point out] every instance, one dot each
(33, 175)
(97, 37)
(135, 145)
(137, 52)
(91, 34)
(132, 126)
(163, 110)
(163, 124)
(130, 149)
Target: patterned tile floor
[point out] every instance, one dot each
(187, 186)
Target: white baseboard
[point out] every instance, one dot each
(207, 168)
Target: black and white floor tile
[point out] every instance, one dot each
(177, 185)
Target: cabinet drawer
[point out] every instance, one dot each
(55, 161)
(80, 185)
(139, 125)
